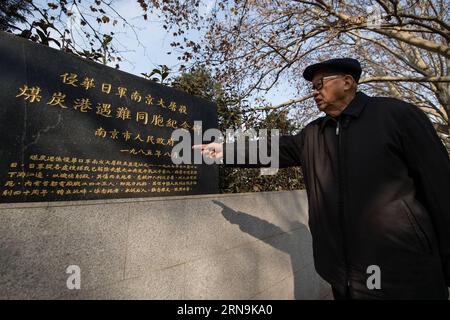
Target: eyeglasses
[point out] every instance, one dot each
(319, 84)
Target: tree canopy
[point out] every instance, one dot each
(256, 45)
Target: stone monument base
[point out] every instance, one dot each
(233, 246)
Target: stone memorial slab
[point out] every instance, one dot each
(72, 129)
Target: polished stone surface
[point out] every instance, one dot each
(62, 115)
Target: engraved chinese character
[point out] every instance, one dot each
(83, 104)
(197, 128)
(88, 83)
(149, 99)
(182, 109)
(126, 135)
(114, 134)
(106, 88)
(123, 113)
(161, 103)
(121, 91)
(30, 94)
(171, 123)
(170, 142)
(69, 78)
(172, 106)
(136, 96)
(143, 152)
(104, 109)
(100, 132)
(185, 125)
(9, 184)
(143, 116)
(160, 141)
(150, 139)
(158, 120)
(57, 99)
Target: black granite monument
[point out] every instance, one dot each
(72, 129)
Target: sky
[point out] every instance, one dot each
(144, 48)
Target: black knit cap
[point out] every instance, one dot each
(346, 65)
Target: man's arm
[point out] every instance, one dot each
(289, 152)
(429, 163)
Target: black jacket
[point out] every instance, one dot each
(378, 185)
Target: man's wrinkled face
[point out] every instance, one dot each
(330, 88)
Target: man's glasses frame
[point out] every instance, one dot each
(319, 84)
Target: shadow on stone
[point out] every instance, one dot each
(296, 243)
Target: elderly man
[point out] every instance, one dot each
(378, 183)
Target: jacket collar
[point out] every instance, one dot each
(354, 109)
(357, 105)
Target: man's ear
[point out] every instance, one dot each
(348, 82)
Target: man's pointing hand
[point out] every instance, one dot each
(212, 150)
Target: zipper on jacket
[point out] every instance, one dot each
(341, 200)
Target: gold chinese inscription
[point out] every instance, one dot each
(50, 175)
(146, 116)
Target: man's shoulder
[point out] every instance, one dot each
(391, 107)
(390, 102)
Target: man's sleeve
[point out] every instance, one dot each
(429, 163)
(238, 155)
